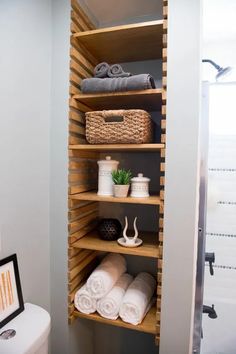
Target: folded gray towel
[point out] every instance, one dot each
(116, 70)
(101, 70)
(132, 83)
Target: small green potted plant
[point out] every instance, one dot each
(121, 179)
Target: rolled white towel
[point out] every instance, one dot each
(109, 305)
(84, 302)
(137, 299)
(104, 277)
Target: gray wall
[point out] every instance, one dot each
(25, 70)
(77, 338)
(58, 173)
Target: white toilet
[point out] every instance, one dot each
(32, 328)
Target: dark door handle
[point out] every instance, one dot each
(210, 257)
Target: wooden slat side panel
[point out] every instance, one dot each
(82, 15)
(78, 22)
(162, 170)
(82, 177)
(87, 266)
(82, 211)
(82, 270)
(75, 80)
(74, 27)
(75, 104)
(77, 134)
(76, 139)
(76, 128)
(77, 116)
(84, 221)
(74, 90)
(82, 60)
(82, 50)
(83, 154)
(82, 232)
(78, 69)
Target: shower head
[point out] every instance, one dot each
(223, 72)
(220, 71)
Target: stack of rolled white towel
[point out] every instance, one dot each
(112, 292)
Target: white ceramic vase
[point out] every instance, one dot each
(105, 182)
(121, 190)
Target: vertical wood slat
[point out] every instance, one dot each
(82, 216)
(81, 15)
(162, 168)
(82, 60)
(82, 50)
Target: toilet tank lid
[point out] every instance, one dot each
(32, 328)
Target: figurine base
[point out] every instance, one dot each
(123, 242)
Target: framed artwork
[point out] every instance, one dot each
(11, 299)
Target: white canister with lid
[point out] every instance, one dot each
(140, 186)
(105, 183)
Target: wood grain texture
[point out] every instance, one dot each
(84, 270)
(140, 41)
(89, 46)
(92, 195)
(148, 325)
(118, 147)
(80, 233)
(81, 15)
(82, 60)
(149, 100)
(149, 248)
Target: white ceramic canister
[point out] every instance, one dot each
(140, 186)
(105, 168)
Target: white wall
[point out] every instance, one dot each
(220, 289)
(25, 72)
(223, 52)
(182, 176)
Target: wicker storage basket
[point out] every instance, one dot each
(133, 126)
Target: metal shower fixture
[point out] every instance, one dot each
(220, 70)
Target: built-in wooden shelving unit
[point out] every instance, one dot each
(93, 196)
(92, 241)
(118, 147)
(135, 42)
(124, 43)
(148, 325)
(143, 99)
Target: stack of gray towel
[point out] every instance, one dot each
(112, 78)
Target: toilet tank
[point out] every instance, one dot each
(32, 328)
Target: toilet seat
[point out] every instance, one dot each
(32, 328)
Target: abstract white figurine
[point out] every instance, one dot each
(130, 241)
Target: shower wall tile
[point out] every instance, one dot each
(220, 289)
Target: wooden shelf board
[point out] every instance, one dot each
(149, 100)
(92, 195)
(139, 41)
(118, 147)
(148, 325)
(149, 248)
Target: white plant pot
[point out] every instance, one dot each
(121, 190)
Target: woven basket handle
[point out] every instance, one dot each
(113, 116)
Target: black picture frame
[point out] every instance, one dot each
(10, 290)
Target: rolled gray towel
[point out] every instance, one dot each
(101, 70)
(118, 84)
(116, 70)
